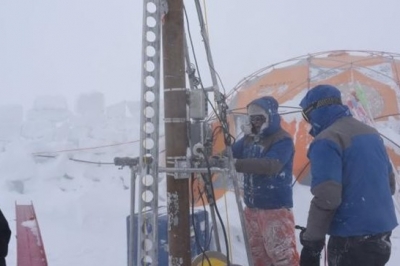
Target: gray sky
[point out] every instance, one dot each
(68, 47)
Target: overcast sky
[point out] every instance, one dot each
(69, 47)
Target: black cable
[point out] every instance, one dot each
(232, 139)
(199, 82)
(197, 66)
(198, 69)
(392, 141)
(45, 156)
(223, 125)
(290, 107)
(228, 138)
(202, 26)
(216, 206)
(221, 116)
(203, 252)
(383, 116)
(301, 172)
(291, 112)
(196, 63)
(75, 160)
(90, 162)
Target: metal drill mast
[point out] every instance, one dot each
(149, 135)
(165, 17)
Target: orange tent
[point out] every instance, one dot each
(369, 82)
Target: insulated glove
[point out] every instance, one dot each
(311, 252)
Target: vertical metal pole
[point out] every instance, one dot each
(149, 135)
(212, 204)
(176, 134)
(210, 61)
(215, 225)
(222, 114)
(132, 215)
(239, 204)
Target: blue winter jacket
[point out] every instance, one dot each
(266, 160)
(352, 177)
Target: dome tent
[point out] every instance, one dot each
(370, 85)
(369, 82)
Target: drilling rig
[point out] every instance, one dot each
(188, 142)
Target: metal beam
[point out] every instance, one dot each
(149, 135)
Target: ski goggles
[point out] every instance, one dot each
(324, 102)
(257, 119)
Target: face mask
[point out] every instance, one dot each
(257, 119)
(258, 123)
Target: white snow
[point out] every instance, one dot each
(81, 208)
(33, 227)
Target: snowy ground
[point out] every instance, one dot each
(82, 208)
(83, 220)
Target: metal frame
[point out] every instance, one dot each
(149, 135)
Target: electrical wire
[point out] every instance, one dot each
(209, 180)
(228, 138)
(203, 249)
(390, 140)
(383, 116)
(291, 112)
(226, 130)
(195, 60)
(79, 160)
(301, 172)
(87, 148)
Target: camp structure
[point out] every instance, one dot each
(369, 82)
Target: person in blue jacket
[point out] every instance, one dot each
(265, 157)
(352, 186)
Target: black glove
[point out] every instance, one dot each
(311, 252)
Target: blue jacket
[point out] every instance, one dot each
(352, 177)
(266, 160)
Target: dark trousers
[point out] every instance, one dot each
(5, 235)
(369, 250)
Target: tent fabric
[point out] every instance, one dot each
(368, 81)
